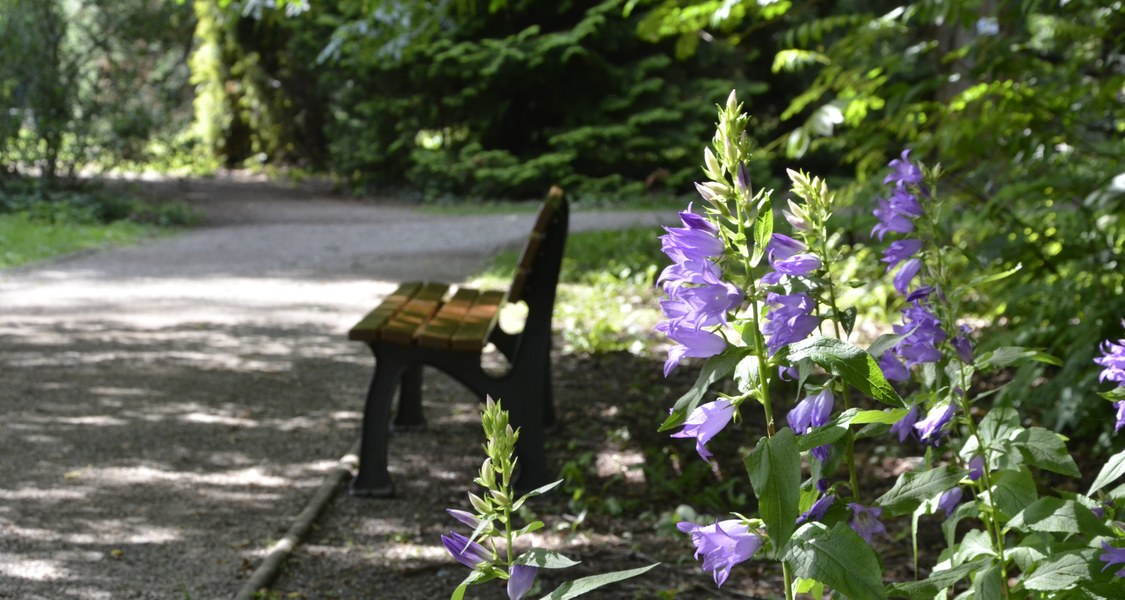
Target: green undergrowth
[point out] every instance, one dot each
(35, 226)
(607, 300)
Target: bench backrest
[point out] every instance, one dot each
(537, 273)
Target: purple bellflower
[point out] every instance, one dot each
(723, 545)
(904, 171)
(905, 425)
(890, 220)
(933, 427)
(520, 580)
(900, 250)
(892, 367)
(788, 256)
(924, 334)
(813, 411)
(976, 467)
(906, 274)
(789, 320)
(1113, 361)
(904, 203)
(702, 306)
(817, 511)
(695, 241)
(949, 500)
(466, 552)
(1113, 556)
(701, 272)
(690, 342)
(465, 517)
(865, 521)
(705, 422)
(963, 345)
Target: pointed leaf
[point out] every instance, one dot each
(573, 589)
(1046, 450)
(715, 369)
(763, 230)
(1061, 571)
(838, 558)
(774, 467)
(850, 363)
(544, 559)
(913, 488)
(535, 492)
(936, 582)
(1111, 470)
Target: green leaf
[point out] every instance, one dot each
(838, 558)
(983, 279)
(763, 229)
(1055, 515)
(888, 416)
(715, 369)
(1061, 571)
(913, 488)
(473, 578)
(850, 363)
(999, 423)
(1013, 490)
(573, 589)
(886, 342)
(774, 467)
(1011, 355)
(986, 585)
(1117, 394)
(1111, 470)
(936, 582)
(746, 375)
(1046, 450)
(544, 559)
(535, 492)
(974, 544)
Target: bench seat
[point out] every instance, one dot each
(433, 315)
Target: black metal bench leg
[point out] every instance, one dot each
(527, 414)
(373, 480)
(549, 417)
(410, 416)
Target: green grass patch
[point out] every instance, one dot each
(24, 239)
(607, 299)
(37, 225)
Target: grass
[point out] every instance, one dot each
(607, 299)
(24, 239)
(35, 226)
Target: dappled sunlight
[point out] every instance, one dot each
(16, 566)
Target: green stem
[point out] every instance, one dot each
(993, 520)
(788, 577)
(849, 437)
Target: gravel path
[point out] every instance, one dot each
(169, 407)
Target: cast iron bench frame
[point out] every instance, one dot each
(428, 324)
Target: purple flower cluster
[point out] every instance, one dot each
(696, 295)
(819, 508)
(789, 257)
(920, 325)
(789, 320)
(472, 555)
(813, 411)
(723, 545)
(1113, 362)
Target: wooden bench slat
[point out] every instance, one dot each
(405, 324)
(478, 322)
(439, 330)
(367, 330)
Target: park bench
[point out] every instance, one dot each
(446, 327)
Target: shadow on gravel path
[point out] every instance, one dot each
(169, 407)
